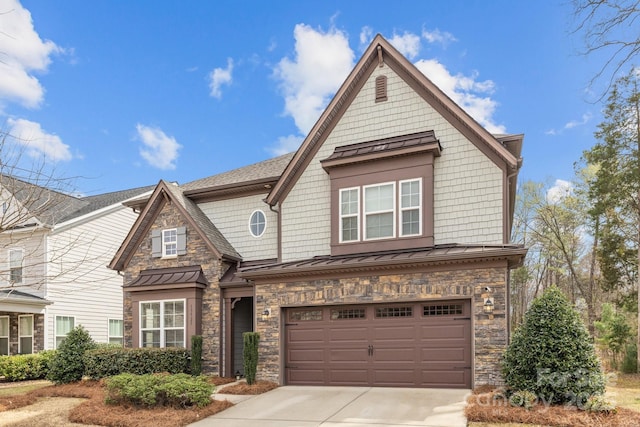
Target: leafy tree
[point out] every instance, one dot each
(614, 190)
(68, 365)
(614, 332)
(551, 353)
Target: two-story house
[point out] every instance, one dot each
(54, 251)
(377, 254)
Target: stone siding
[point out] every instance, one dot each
(38, 331)
(198, 253)
(489, 333)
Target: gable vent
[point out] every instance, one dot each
(381, 88)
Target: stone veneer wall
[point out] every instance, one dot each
(38, 331)
(197, 254)
(489, 334)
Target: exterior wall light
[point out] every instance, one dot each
(266, 313)
(487, 308)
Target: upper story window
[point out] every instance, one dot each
(382, 211)
(257, 223)
(15, 265)
(169, 243)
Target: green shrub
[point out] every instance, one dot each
(250, 355)
(551, 353)
(196, 355)
(630, 361)
(177, 391)
(23, 367)
(107, 362)
(599, 404)
(523, 398)
(67, 365)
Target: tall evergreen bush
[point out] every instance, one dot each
(552, 355)
(250, 354)
(68, 365)
(196, 355)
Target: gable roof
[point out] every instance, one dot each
(51, 207)
(381, 51)
(201, 224)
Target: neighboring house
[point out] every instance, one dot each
(54, 251)
(378, 254)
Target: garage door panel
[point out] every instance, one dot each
(348, 334)
(444, 378)
(396, 355)
(306, 376)
(349, 355)
(395, 377)
(312, 355)
(443, 354)
(349, 376)
(394, 332)
(449, 331)
(310, 335)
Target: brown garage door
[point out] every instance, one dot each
(425, 344)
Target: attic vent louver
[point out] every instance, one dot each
(381, 88)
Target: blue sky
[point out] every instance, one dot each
(123, 94)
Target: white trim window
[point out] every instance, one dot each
(16, 257)
(350, 214)
(116, 331)
(4, 335)
(25, 334)
(257, 223)
(411, 207)
(170, 242)
(379, 211)
(64, 325)
(162, 323)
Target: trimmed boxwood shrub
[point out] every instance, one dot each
(178, 391)
(250, 355)
(552, 354)
(68, 364)
(23, 367)
(107, 362)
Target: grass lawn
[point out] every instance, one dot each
(624, 391)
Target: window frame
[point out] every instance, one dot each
(162, 328)
(8, 336)
(366, 214)
(264, 227)
(12, 268)
(401, 210)
(56, 333)
(120, 337)
(165, 243)
(20, 335)
(343, 216)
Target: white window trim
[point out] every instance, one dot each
(162, 328)
(55, 327)
(163, 243)
(109, 336)
(401, 209)
(21, 264)
(357, 215)
(33, 327)
(265, 223)
(8, 337)
(365, 213)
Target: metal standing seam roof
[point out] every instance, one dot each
(445, 253)
(170, 276)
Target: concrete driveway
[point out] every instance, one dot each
(345, 407)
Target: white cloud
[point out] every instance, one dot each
(38, 142)
(159, 150)
(219, 77)
(408, 44)
(322, 62)
(286, 144)
(366, 35)
(559, 191)
(586, 117)
(469, 93)
(22, 52)
(437, 36)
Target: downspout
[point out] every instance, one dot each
(279, 234)
(508, 299)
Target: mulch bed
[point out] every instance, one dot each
(490, 407)
(258, 387)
